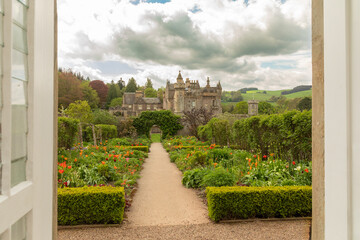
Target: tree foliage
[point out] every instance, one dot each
(113, 92)
(101, 89)
(305, 104)
(168, 122)
(266, 108)
(103, 117)
(241, 108)
(80, 110)
(150, 92)
(69, 89)
(131, 86)
(116, 102)
(148, 83)
(90, 95)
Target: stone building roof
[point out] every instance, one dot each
(151, 100)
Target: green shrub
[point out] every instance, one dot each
(139, 148)
(258, 202)
(199, 159)
(218, 177)
(90, 205)
(193, 178)
(67, 131)
(107, 131)
(107, 172)
(120, 141)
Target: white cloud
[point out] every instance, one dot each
(225, 40)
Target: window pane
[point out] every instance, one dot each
(1, 6)
(18, 171)
(19, 132)
(19, 13)
(19, 39)
(18, 229)
(18, 92)
(19, 65)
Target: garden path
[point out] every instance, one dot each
(161, 199)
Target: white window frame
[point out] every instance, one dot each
(34, 197)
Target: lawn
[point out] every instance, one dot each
(155, 137)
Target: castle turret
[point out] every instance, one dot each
(219, 85)
(179, 95)
(187, 83)
(208, 82)
(179, 78)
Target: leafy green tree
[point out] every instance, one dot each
(150, 92)
(160, 93)
(266, 108)
(80, 110)
(103, 117)
(116, 102)
(90, 95)
(148, 83)
(241, 108)
(305, 104)
(131, 86)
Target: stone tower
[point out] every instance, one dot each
(253, 107)
(179, 94)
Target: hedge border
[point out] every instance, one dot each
(91, 205)
(258, 202)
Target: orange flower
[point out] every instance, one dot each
(250, 168)
(69, 167)
(75, 160)
(230, 153)
(62, 156)
(61, 171)
(86, 155)
(65, 158)
(248, 173)
(215, 164)
(115, 167)
(103, 162)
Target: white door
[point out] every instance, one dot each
(26, 122)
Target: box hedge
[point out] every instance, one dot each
(91, 205)
(258, 202)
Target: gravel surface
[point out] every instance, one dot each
(267, 230)
(163, 209)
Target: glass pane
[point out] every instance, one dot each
(18, 171)
(19, 13)
(18, 229)
(1, 6)
(18, 92)
(19, 39)
(19, 131)
(19, 65)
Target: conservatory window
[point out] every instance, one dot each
(19, 99)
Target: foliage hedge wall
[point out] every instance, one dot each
(288, 135)
(258, 202)
(90, 205)
(107, 132)
(168, 122)
(67, 131)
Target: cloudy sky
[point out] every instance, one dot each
(242, 43)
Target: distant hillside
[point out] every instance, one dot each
(269, 96)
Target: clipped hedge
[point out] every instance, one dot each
(258, 202)
(139, 148)
(67, 131)
(90, 205)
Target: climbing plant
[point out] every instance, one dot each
(168, 122)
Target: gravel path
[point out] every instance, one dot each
(161, 199)
(163, 209)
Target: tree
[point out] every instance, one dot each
(241, 108)
(150, 92)
(266, 108)
(101, 89)
(103, 117)
(69, 89)
(160, 94)
(80, 110)
(131, 86)
(121, 84)
(148, 83)
(195, 118)
(113, 92)
(116, 102)
(305, 104)
(90, 95)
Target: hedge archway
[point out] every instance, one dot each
(168, 122)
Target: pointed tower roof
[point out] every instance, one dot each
(179, 78)
(219, 85)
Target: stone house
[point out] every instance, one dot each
(135, 103)
(183, 96)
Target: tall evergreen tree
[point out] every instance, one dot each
(148, 83)
(131, 86)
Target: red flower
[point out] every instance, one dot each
(254, 156)
(61, 171)
(69, 167)
(293, 163)
(264, 156)
(306, 170)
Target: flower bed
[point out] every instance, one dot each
(206, 165)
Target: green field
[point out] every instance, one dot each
(260, 96)
(155, 137)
